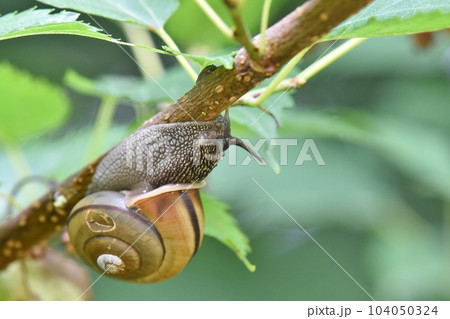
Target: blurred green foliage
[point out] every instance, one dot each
(380, 206)
(53, 103)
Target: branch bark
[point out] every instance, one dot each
(295, 32)
(205, 101)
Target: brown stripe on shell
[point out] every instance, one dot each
(194, 219)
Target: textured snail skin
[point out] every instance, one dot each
(163, 154)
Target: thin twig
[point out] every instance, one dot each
(258, 96)
(329, 58)
(102, 123)
(49, 183)
(280, 77)
(10, 202)
(264, 23)
(214, 17)
(150, 61)
(181, 59)
(241, 33)
(262, 108)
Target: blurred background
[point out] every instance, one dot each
(380, 206)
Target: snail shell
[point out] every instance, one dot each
(142, 237)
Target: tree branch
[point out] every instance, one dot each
(298, 30)
(213, 94)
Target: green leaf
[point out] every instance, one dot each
(223, 60)
(41, 21)
(149, 13)
(394, 17)
(28, 105)
(132, 89)
(221, 225)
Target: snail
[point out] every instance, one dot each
(142, 218)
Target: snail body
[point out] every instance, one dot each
(142, 219)
(164, 154)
